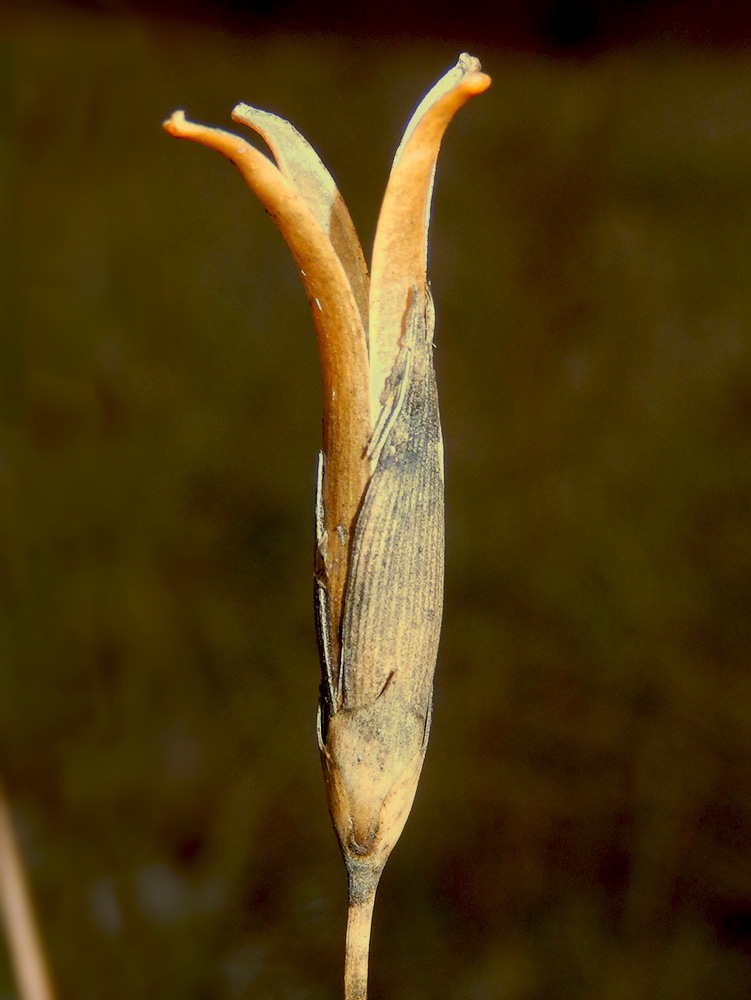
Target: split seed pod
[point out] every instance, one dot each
(379, 557)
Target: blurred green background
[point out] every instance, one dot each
(583, 826)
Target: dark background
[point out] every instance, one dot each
(583, 825)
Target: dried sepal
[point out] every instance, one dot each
(339, 325)
(400, 247)
(302, 166)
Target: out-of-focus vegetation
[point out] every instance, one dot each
(583, 827)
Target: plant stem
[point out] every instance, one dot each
(24, 944)
(362, 893)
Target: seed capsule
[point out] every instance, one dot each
(375, 711)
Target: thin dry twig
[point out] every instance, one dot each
(357, 943)
(24, 941)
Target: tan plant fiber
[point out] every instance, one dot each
(379, 563)
(17, 913)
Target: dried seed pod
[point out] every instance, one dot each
(375, 712)
(379, 499)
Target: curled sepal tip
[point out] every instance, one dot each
(337, 299)
(401, 242)
(300, 163)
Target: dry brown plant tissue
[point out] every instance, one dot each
(379, 563)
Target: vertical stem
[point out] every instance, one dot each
(362, 893)
(24, 944)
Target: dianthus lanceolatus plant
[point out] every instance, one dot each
(379, 509)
